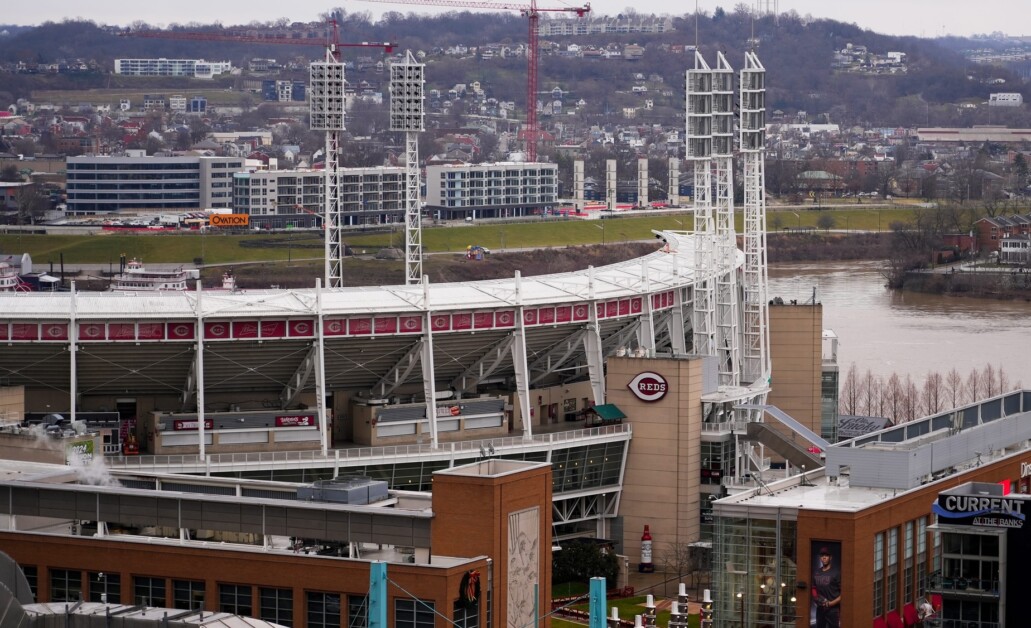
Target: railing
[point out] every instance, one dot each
(460, 449)
(725, 426)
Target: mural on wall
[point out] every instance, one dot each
(523, 565)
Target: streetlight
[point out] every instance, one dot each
(602, 227)
(741, 605)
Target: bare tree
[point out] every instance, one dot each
(974, 387)
(32, 205)
(686, 559)
(871, 399)
(1004, 380)
(933, 395)
(892, 398)
(848, 401)
(954, 387)
(988, 383)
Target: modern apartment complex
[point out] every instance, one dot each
(278, 198)
(194, 68)
(99, 184)
(490, 190)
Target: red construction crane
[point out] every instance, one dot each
(330, 38)
(531, 11)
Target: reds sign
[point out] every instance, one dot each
(648, 386)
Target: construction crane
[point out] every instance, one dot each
(326, 100)
(531, 11)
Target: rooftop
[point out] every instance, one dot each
(867, 470)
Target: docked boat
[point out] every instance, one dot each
(136, 278)
(9, 280)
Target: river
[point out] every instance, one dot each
(909, 333)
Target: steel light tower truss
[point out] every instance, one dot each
(532, 12)
(699, 152)
(727, 316)
(326, 105)
(756, 355)
(407, 80)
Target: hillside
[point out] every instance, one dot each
(797, 52)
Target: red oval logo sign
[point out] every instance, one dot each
(648, 386)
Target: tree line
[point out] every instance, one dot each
(902, 399)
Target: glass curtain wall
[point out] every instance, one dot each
(755, 572)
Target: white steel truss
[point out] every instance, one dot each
(727, 342)
(756, 364)
(699, 152)
(326, 104)
(407, 78)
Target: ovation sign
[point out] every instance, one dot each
(648, 386)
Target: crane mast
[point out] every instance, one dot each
(531, 134)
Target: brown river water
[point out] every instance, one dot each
(909, 333)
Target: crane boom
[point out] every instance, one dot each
(531, 11)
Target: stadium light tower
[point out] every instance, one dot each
(407, 80)
(699, 152)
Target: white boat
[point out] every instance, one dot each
(9, 280)
(136, 278)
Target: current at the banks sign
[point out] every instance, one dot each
(648, 386)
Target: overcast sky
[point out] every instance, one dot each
(925, 18)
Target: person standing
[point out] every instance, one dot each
(826, 591)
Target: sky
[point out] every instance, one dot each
(922, 18)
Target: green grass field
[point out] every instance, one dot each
(214, 248)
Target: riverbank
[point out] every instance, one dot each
(984, 283)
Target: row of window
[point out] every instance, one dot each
(131, 176)
(911, 562)
(322, 609)
(132, 167)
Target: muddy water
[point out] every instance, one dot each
(888, 331)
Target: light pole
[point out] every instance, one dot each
(799, 221)
(602, 227)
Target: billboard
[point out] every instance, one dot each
(81, 450)
(304, 420)
(230, 220)
(191, 424)
(825, 584)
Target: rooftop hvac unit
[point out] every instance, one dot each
(354, 491)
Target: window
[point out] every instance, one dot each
(235, 599)
(409, 613)
(466, 615)
(277, 606)
(65, 585)
(357, 611)
(909, 558)
(187, 594)
(893, 569)
(878, 574)
(105, 587)
(32, 575)
(323, 609)
(149, 591)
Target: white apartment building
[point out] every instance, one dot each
(196, 68)
(101, 184)
(490, 190)
(278, 199)
(1006, 99)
